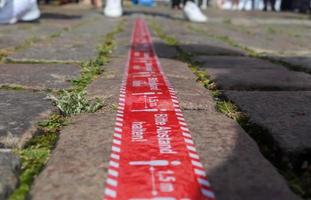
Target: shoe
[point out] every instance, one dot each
(32, 14)
(113, 8)
(193, 12)
(11, 11)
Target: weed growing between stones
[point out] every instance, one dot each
(36, 153)
(73, 101)
(4, 53)
(298, 180)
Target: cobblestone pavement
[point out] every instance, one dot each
(258, 61)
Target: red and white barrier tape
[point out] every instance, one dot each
(153, 155)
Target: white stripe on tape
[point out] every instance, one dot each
(110, 193)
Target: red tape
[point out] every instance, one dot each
(153, 155)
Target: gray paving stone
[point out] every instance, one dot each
(38, 76)
(9, 168)
(259, 79)
(207, 47)
(163, 50)
(285, 115)
(16, 35)
(196, 43)
(235, 167)
(105, 89)
(78, 167)
(303, 62)
(107, 86)
(115, 68)
(123, 40)
(19, 113)
(192, 95)
(176, 69)
(76, 45)
(235, 62)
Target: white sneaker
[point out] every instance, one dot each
(193, 12)
(32, 14)
(113, 8)
(13, 10)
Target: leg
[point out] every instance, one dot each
(265, 2)
(272, 2)
(113, 8)
(174, 3)
(6, 13)
(204, 4)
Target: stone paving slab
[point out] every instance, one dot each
(9, 168)
(19, 113)
(38, 76)
(206, 47)
(235, 166)
(123, 39)
(105, 89)
(53, 20)
(192, 96)
(78, 167)
(79, 44)
(285, 115)
(176, 69)
(193, 42)
(14, 36)
(235, 62)
(259, 79)
(163, 50)
(263, 39)
(302, 62)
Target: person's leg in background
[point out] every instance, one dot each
(272, 2)
(204, 5)
(265, 5)
(175, 4)
(96, 3)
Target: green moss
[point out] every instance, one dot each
(12, 87)
(36, 153)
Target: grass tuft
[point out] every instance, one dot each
(75, 102)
